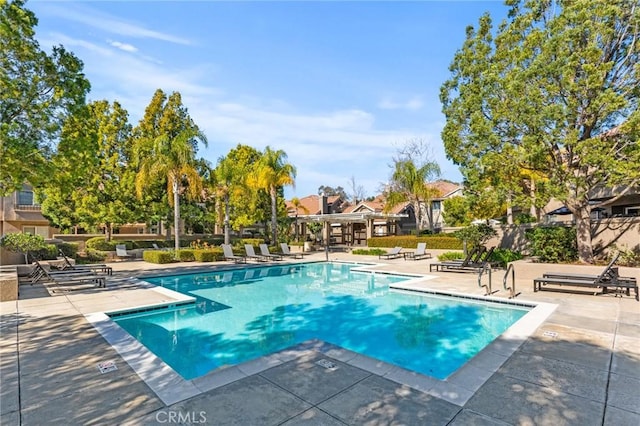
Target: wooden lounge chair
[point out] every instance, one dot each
(264, 251)
(286, 252)
(228, 254)
(608, 278)
(96, 267)
(251, 253)
(419, 253)
(394, 253)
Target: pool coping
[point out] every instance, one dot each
(458, 388)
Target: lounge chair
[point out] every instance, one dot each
(251, 254)
(264, 251)
(484, 260)
(419, 253)
(394, 253)
(608, 278)
(157, 247)
(442, 265)
(286, 252)
(228, 254)
(121, 252)
(96, 267)
(66, 277)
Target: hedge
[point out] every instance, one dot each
(411, 241)
(185, 255)
(209, 255)
(371, 252)
(157, 256)
(451, 255)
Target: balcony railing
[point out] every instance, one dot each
(27, 207)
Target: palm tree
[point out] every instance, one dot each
(295, 202)
(226, 183)
(409, 184)
(273, 172)
(173, 159)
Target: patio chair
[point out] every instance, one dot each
(286, 252)
(264, 251)
(228, 254)
(419, 253)
(251, 254)
(121, 252)
(66, 277)
(608, 278)
(96, 267)
(484, 260)
(394, 253)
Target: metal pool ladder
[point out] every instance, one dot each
(485, 267)
(512, 289)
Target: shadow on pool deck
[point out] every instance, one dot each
(580, 367)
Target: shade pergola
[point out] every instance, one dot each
(367, 218)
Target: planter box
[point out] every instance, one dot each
(8, 286)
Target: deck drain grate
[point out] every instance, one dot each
(550, 334)
(107, 366)
(326, 364)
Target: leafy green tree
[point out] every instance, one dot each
(476, 235)
(330, 191)
(165, 149)
(38, 92)
(412, 170)
(93, 181)
(457, 211)
(555, 92)
(22, 243)
(271, 173)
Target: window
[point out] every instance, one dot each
(632, 211)
(25, 198)
(435, 205)
(43, 231)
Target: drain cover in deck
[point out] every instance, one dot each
(326, 364)
(107, 366)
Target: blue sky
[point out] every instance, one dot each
(339, 86)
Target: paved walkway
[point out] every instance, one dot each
(580, 367)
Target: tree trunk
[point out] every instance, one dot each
(418, 212)
(274, 215)
(108, 230)
(533, 211)
(176, 214)
(227, 237)
(509, 210)
(583, 234)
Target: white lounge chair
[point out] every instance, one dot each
(264, 251)
(287, 252)
(392, 254)
(251, 254)
(420, 253)
(121, 252)
(228, 254)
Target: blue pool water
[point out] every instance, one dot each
(244, 314)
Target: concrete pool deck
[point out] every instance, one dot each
(581, 366)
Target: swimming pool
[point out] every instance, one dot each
(244, 314)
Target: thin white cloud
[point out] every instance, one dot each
(123, 46)
(76, 12)
(413, 104)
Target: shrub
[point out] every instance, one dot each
(451, 255)
(502, 256)
(99, 243)
(69, 249)
(48, 252)
(553, 243)
(476, 235)
(92, 256)
(23, 243)
(157, 256)
(372, 252)
(437, 241)
(627, 257)
(252, 241)
(524, 218)
(185, 255)
(208, 255)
